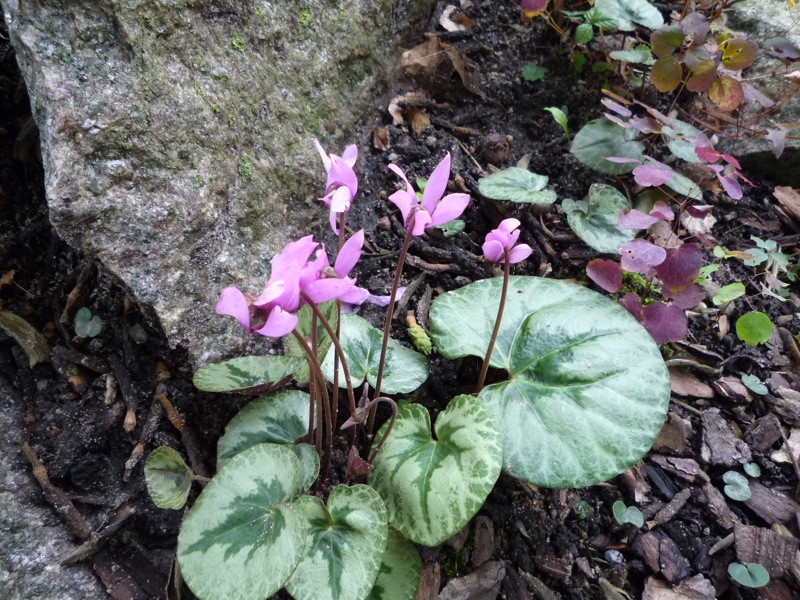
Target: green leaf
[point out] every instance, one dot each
(754, 384)
(666, 74)
(583, 33)
(244, 373)
(600, 139)
(588, 389)
(627, 514)
(560, 118)
(599, 20)
(602, 67)
(32, 342)
(628, 13)
(678, 140)
(516, 185)
(86, 325)
(344, 545)
(737, 487)
(533, 72)
(305, 315)
(579, 62)
(640, 54)
(666, 40)
(751, 575)
(168, 478)
(684, 186)
(452, 228)
(595, 219)
(138, 333)
(728, 293)
(242, 539)
(277, 418)
(753, 328)
(752, 469)
(433, 487)
(405, 370)
(401, 569)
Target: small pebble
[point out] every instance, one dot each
(431, 141)
(614, 557)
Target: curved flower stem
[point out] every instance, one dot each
(485, 367)
(387, 326)
(374, 404)
(316, 370)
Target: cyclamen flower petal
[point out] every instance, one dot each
(233, 303)
(503, 238)
(519, 253)
(342, 183)
(493, 250)
(279, 323)
(349, 254)
(437, 184)
(450, 207)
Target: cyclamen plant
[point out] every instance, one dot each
(585, 396)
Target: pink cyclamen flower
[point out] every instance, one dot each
(433, 210)
(342, 184)
(503, 238)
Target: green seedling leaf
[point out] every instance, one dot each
(752, 469)
(86, 325)
(137, 333)
(169, 478)
(595, 220)
(602, 67)
(588, 390)
(600, 139)
(405, 370)
(584, 33)
(627, 514)
(452, 228)
(737, 487)
(640, 54)
(560, 118)
(244, 373)
(579, 62)
(582, 509)
(344, 545)
(277, 418)
(599, 20)
(433, 486)
(628, 13)
(401, 569)
(751, 575)
(305, 316)
(242, 539)
(533, 72)
(753, 328)
(31, 341)
(754, 384)
(728, 293)
(517, 185)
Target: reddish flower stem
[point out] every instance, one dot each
(316, 371)
(393, 404)
(495, 331)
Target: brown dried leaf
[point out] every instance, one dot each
(684, 383)
(32, 342)
(418, 120)
(694, 588)
(7, 277)
(380, 139)
(399, 104)
(789, 199)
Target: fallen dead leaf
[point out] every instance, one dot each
(432, 63)
(380, 139)
(789, 199)
(455, 22)
(418, 120)
(693, 588)
(790, 451)
(685, 384)
(399, 104)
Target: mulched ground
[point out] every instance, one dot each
(549, 543)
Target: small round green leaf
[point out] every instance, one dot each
(277, 418)
(595, 219)
(533, 72)
(432, 487)
(600, 139)
(405, 370)
(583, 33)
(754, 384)
(244, 372)
(627, 514)
(516, 185)
(737, 487)
(242, 539)
(401, 569)
(751, 575)
(86, 325)
(752, 469)
(753, 328)
(344, 545)
(168, 478)
(588, 389)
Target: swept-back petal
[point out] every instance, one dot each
(402, 200)
(493, 250)
(349, 255)
(279, 323)
(449, 208)
(399, 172)
(293, 256)
(422, 220)
(519, 253)
(326, 162)
(340, 174)
(350, 155)
(340, 199)
(272, 291)
(233, 303)
(323, 290)
(437, 184)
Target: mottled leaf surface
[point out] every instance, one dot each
(168, 478)
(628, 13)
(599, 139)
(401, 569)
(244, 372)
(433, 486)
(596, 219)
(517, 185)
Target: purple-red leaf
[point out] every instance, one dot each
(778, 138)
(662, 211)
(699, 211)
(633, 305)
(641, 256)
(614, 107)
(606, 274)
(665, 322)
(702, 76)
(652, 175)
(686, 298)
(635, 219)
(732, 187)
(680, 267)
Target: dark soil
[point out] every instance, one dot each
(552, 542)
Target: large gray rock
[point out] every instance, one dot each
(762, 20)
(176, 134)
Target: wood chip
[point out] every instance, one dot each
(646, 546)
(720, 446)
(763, 433)
(666, 514)
(484, 541)
(430, 582)
(482, 584)
(771, 550)
(770, 504)
(557, 568)
(789, 199)
(718, 507)
(636, 484)
(686, 384)
(694, 588)
(674, 435)
(789, 452)
(685, 468)
(732, 388)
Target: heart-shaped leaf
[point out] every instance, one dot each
(400, 571)
(627, 514)
(432, 487)
(702, 75)
(727, 93)
(753, 328)
(751, 575)
(168, 478)
(628, 13)
(304, 327)
(588, 392)
(344, 545)
(680, 267)
(517, 185)
(737, 486)
(86, 325)
(244, 372)
(596, 219)
(755, 385)
(666, 40)
(641, 256)
(738, 54)
(665, 322)
(405, 370)
(666, 74)
(606, 274)
(242, 539)
(599, 139)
